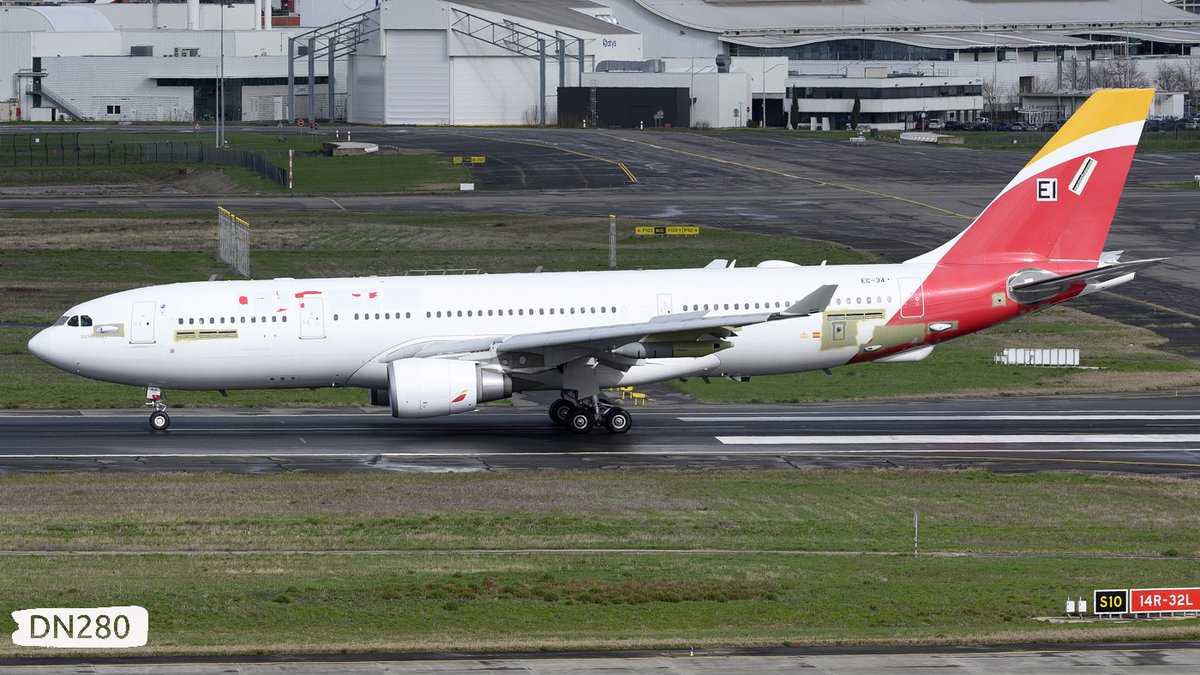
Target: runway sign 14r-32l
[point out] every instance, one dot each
(1146, 601)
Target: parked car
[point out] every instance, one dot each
(952, 125)
(1048, 126)
(935, 123)
(1017, 126)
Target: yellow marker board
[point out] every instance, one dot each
(666, 230)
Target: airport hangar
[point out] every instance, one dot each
(714, 63)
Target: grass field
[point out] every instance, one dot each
(48, 162)
(298, 562)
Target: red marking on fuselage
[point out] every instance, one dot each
(460, 397)
(301, 294)
(243, 300)
(372, 294)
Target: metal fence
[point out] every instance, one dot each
(233, 241)
(43, 150)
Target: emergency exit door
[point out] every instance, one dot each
(141, 325)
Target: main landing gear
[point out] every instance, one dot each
(581, 416)
(159, 419)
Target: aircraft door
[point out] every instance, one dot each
(912, 292)
(141, 327)
(664, 303)
(312, 318)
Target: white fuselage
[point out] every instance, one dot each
(335, 332)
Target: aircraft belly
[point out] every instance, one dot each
(244, 371)
(783, 346)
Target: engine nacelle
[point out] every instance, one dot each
(436, 387)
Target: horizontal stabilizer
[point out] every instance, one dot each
(1045, 287)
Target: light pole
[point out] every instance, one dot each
(764, 88)
(221, 85)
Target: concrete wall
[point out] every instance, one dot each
(76, 78)
(368, 90)
(717, 95)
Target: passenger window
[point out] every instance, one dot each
(180, 321)
(460, 312)
(253, 319)
(284, 318)
(191, 322)
(274, 319)
(376, 316)
(407, 315)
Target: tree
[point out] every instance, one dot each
(795, 114)
(855, 112)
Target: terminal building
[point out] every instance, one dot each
(713, 63)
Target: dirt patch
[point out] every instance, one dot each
(205, 182)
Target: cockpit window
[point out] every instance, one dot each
(85, 320)
(74, 321)
(62, 320)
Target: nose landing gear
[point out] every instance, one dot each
(159, 419)
(581, 417)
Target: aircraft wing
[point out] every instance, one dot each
(1029, 290)
(611, 337)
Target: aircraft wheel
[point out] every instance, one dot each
(618, 421)
(560, 411)
(580, 421)
(159, 420)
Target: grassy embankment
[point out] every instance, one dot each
(28, 164)
(49, 266)
(402, 566)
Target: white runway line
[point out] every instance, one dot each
(960, 439)
(1055, 417)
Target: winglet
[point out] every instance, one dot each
(813, 303)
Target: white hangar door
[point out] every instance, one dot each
(418, 77)
(501, 89)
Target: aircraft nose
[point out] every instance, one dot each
(42, 346)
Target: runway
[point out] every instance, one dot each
(1142, 434)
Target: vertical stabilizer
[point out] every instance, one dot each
(1060, 206)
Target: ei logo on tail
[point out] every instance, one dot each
(1047, 189)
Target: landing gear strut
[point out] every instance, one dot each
(159, 419)
(581, 417)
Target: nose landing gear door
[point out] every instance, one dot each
(142, 324)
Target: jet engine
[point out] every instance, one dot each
(435, 387)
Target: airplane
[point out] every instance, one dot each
(432, 346)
